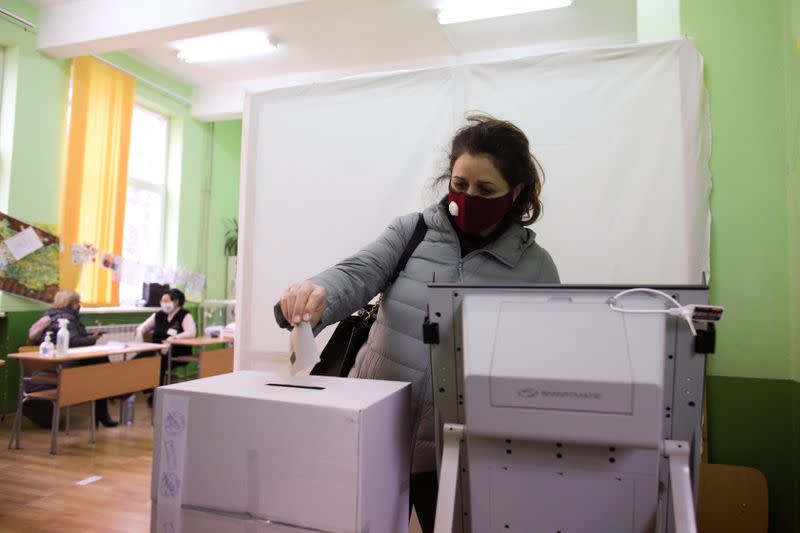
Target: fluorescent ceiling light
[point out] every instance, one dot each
(222, 46)
(466, 10)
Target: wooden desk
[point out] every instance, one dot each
(81, 384)
(88, 352)
(210, 362)
(202, 341)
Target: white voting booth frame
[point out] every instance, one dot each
(622, 134)
(494, 477)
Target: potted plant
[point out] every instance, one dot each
(231, 252)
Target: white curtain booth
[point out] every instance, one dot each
(621, 133)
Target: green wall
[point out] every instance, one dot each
(751, 73)
(31, 151)
(792, 125)
(754, 422)
(34, 101)
(32, 118)
(32, 125)
(791, 47)
(225, 200)
(742, 47)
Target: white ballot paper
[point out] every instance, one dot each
(302, 348)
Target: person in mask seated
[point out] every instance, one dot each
(66, 304)
(172, 322)
(476, 234)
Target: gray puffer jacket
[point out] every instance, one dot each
(394, 350)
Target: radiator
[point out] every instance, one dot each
(115, 333)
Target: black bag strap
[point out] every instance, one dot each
(419, 234)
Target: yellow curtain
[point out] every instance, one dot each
(96, 175)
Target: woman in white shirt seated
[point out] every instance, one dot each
(172, 322)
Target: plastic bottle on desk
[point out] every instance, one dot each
(129, 403)
(47, 348)
(62, 338)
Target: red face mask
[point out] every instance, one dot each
(474, 214)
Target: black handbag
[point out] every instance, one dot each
(339, 354)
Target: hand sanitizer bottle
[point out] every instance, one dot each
(62, 338)
(47, 348)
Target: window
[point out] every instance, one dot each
(145, 204)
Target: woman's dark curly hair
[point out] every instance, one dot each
(508, 148)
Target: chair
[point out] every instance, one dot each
(37, 372)
(734, 499)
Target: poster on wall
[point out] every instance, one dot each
(195, 285)
(83, 253)
(28, 260)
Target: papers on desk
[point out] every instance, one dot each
(110, 345)
(116, 345)
(89, 349)
(213, 331)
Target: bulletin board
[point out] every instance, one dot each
(34, 275)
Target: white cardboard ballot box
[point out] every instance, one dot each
(252, 451)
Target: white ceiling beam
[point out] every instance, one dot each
(225, 102)
(95, 26)
(210, 105)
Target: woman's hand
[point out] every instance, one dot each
(304, 301)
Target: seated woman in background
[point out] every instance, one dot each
(172, 322)
(66, 304)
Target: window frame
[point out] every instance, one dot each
(162, 190)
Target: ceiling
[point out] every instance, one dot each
(319, 39)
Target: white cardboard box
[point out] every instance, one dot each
(252, 451)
